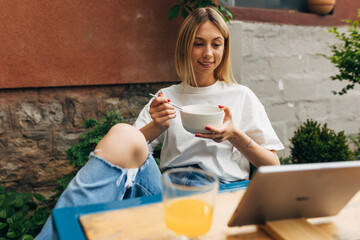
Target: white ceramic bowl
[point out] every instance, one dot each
(195, 118)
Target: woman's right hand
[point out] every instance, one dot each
(161, 111)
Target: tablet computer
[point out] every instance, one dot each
(297, 191)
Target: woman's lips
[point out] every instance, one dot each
(206, 64)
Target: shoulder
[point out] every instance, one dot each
(172, 88)
(238, 89)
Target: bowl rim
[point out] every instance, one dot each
(183, 110)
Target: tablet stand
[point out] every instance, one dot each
(294, 229)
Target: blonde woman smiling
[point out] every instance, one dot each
(122, 165)
(202, 61)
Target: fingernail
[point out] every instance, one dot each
(160, 93)
(168, 100)
(221, 106)
(207, 128)
(197, 135)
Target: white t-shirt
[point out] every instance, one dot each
(181, 148)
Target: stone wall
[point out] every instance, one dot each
(37, 126)
(278, 62)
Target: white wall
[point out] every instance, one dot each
(280, 64)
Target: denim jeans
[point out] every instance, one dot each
(100, 181)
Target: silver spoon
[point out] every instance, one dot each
(153, 95)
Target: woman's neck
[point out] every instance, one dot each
(204, 81)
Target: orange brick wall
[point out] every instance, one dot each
(68, 42)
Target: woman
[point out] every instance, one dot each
(121, 166)
(202, 61)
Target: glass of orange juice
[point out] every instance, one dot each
(189, 196)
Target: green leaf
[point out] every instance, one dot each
(24, 209)
(3, 225)
(226, 19)
(348, 21)
(12, 234)
(188, 8)
(229, 13)
(18, 202)
(19, 228)
(355, 24)
(89, 123)
(2, 213)
(40, 216)
(27, 197)
(184, 13)
(16, 218)
(11, 196)
(174, 11)
(27, 237)
(221, 8)
(21, 199)
(39, 197)
(2, 189)
(6, 212)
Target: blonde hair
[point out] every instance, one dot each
(185, 41)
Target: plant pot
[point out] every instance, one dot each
(321, 7)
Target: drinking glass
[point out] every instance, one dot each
(189, 196)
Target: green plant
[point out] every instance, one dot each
(186, 6)
(315, 143)
(285, 160)
(78, 154)
(22, 215)
(355, 139)
(346, 55)
(157, 153)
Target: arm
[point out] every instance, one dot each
(161, 112)
(255, 153)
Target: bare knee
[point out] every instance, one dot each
(124, 145)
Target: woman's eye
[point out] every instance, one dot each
(198, 44)
(216, 44)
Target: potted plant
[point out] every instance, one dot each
(313, 143)
(321, 7)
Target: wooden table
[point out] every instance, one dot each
(66, 220)
(146, 222)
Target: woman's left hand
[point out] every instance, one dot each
(223, 132)
(255, 153)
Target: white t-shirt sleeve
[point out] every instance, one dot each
(256, 124)
(144, 117)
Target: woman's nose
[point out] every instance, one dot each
(207, 52)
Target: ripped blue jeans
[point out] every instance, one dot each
(100, 181)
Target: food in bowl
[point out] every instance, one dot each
(195, 118)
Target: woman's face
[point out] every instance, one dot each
(207, 52)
